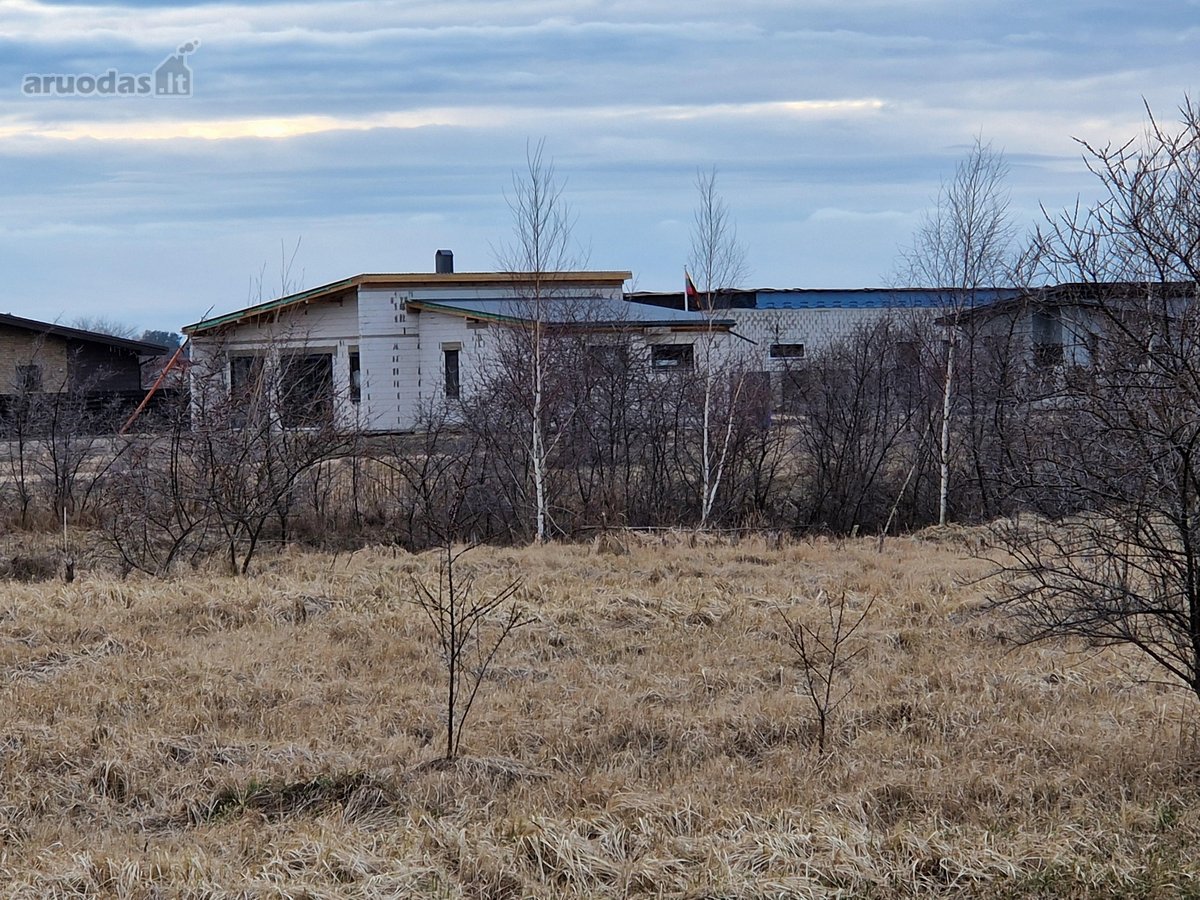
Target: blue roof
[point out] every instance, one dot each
(582, 310)
(873, 298)
(831, 298)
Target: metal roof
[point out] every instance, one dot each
(876, 298)
(1112, 295)
(833, 298)
(145, 348)
(583, 310)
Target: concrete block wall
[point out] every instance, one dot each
(389, 348)
(816, 329)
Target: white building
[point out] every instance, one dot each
(375, 350)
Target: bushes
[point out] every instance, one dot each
(843, 442)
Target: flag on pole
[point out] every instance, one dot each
(690, 294)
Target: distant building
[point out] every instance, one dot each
(47, 358)
(373, 351)
(792, 323)
(1061, 325)
(786, 325)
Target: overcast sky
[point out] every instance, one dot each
(375, 133)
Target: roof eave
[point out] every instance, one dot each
(261, 309)
(596, 324)
(434, 306)
(410, 279)
(144, 348)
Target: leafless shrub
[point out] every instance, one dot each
(155, 514)
(57, 453)
(825, 658)
(227, 472)
(470, 627)
(30, 567)
(1116, 459)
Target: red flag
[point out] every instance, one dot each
(691, 296)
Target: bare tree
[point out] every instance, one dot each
(228, 472)
(470, 627)
(1118, 461)
(856, 436)
(169, 340)
(73, 458)
(254, 441)
(55, 419)
(962, 247)
(444, 487)
(105, 325)
(289, 279)
(825, 657)
(540, 247)
(718, 261)
(155, 512)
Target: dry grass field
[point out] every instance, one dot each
(277, 736)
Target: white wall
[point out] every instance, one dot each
(388, 349)
(442, 331)
(325, 326)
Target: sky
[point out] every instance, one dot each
(355, 137)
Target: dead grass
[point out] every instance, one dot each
(276, 736)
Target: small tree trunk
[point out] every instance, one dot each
(944, 462)
(539, 483)
(452, 656)
(537, 439)
(706, 462)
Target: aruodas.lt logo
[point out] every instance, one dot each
(172, 78)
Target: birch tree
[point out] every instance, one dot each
(961, 248)
(539, 247)
(717, 263)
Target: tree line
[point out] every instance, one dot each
(912, 418)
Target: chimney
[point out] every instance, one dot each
(443, 262)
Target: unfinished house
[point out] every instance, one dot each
(374, 351)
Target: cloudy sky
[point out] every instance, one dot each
(375, 133)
